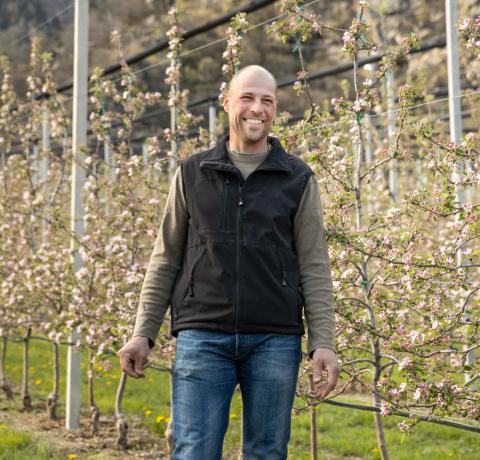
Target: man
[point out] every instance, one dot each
(240, 251)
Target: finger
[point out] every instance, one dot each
(332, 382)
(333, 373)
(319, 390)
(317, 374)
(127, 363)
(139, 365)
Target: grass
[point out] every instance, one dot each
(16, 445)
(342, 433)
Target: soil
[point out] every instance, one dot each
(142, 444)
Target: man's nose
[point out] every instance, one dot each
(257, 105)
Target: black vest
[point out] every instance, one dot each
(240, 271)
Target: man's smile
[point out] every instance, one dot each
(253, 121)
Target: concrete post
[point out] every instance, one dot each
(79, 145)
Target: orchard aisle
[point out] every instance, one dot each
(77, 444)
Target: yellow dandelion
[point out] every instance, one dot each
(38, 381)
(71, 456)
(148, 412)
(160, 418)
(233, 416)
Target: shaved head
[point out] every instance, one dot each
(251, 103)
(248, 71)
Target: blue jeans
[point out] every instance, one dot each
(207, 367)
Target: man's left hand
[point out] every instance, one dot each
(324, 359)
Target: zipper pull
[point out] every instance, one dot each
(240, 197)
(190, 287)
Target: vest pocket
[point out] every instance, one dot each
(189, 289)
(283, 274)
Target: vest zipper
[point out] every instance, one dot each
(284, 276)
(238, 224)
(284, 272)
(190, 284)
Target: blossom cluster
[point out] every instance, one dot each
(233, 51)
(470, 32)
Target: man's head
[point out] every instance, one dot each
(251, 103)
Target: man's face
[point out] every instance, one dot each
(251, 106)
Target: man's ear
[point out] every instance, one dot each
(225, 103)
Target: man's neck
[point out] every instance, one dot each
(257, 147)
(247, 152)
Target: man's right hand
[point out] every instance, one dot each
(133, 356)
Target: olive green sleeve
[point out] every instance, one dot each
(165, 261)
(315, 272)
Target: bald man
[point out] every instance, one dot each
(240, 253)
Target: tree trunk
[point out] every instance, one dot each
(27, 401)
(375, 345)
(3, 376)
(313, 424)
(94, 411)
(122, 425)
(379, 431)
(169, 429)
(52, 400)
(240, 455)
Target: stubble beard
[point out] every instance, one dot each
(252, 137)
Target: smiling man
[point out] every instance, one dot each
(241, 251)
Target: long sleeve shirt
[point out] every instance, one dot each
(310, 245)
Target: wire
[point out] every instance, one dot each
(36, 28)
(388, 112)
(215, 42)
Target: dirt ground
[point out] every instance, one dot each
(141, 443)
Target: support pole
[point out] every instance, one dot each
(36, 164)
(368, 158)
(369, 147)
(212, 121)
(145, 153)
(107, 158)
(455, 117)
(79, 145)
(45, 163)
(172, 164)
(393, 171)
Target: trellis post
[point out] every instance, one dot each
(212, 121)
(393, 170)
(44, 163)
(172, 164)
(79, 143)
(455, 118)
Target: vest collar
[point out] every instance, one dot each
(217, 158)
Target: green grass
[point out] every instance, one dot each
(16, 445)
(342, 433)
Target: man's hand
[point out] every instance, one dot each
(133, 356)
(324, 359)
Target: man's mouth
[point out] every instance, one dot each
(253, 121)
